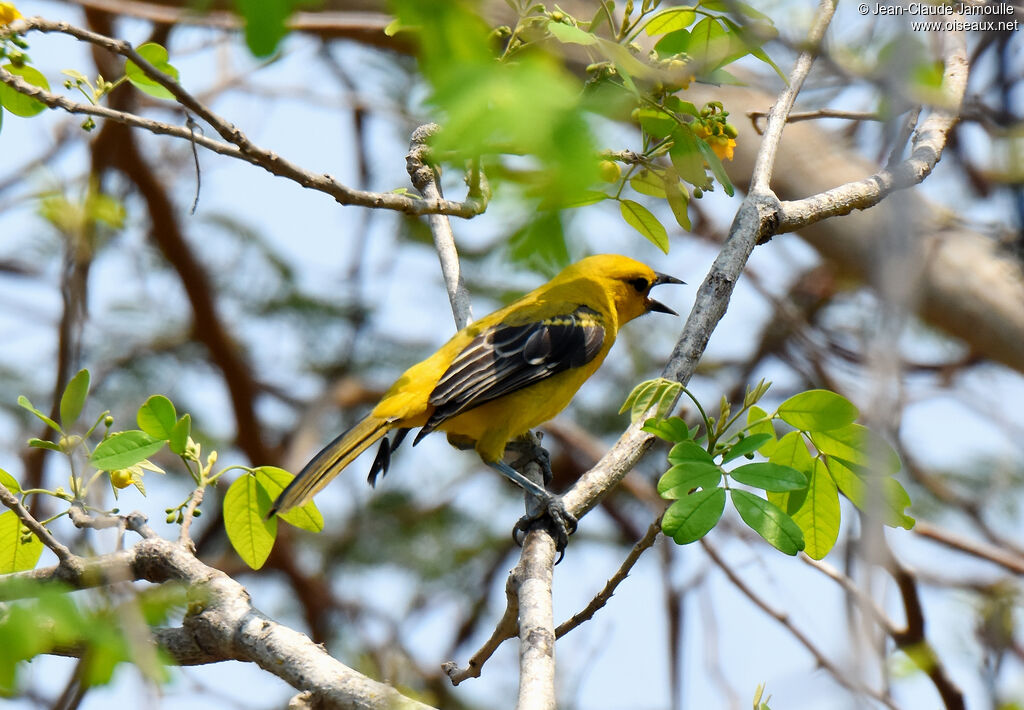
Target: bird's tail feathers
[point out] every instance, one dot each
(327, 464)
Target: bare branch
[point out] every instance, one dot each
(223, 625)
(244, 148)
(797, 116)
(925, 153)
(778, 114)
(188, 515)
(507, 628)
(536, 623)
(64, 555)
(981, 550)
(424, 179)
(610, 586)
(820, 658)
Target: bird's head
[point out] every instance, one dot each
(627, 281)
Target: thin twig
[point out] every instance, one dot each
(926, 149)
(978, 549)
(424, 178)
(243, 148)
(913, 636)
(777, 116)
(136, 521)
(610, 586)
(188, 515)
(64, 555)
(798, 116)
(507, 628)
(782, 618)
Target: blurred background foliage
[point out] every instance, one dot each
(276, 318)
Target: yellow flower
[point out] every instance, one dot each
(722, 145)
(8, 13)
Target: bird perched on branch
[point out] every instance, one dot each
(499, 377)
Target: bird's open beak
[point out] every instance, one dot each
(653, 305)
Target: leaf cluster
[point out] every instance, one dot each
(798, 476)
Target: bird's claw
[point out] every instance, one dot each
(551, 512)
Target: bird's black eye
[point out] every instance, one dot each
(640, 284)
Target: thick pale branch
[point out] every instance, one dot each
(245, 148)
(536, 623)
(223, 625)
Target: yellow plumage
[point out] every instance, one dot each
(504, 374)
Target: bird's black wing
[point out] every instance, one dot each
(505, 358)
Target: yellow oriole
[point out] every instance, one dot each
(500, 376)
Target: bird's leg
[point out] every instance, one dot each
(541, 503)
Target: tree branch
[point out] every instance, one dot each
(602, 597)
(820, 658)
(64, 555)
(223, 625)
(508, 627)
(536, 623)
(926, 150)
(424, 179)
(244, 148)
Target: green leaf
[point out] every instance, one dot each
(265, 23)
(768, 521)
(25, 404)
(157, 417)
(178, 441)
(246, 505)
(710, 43)
(73, 399)
(655, 123)
(658, 392)
(640, 218)
(676, 42)
(274, 480)
(686, 157)
(791, 451)
(585, 198)
(687, 451)
(124, 449)
(540, 243)
(570, 34)
(676, 104)
(671, 429)
(648, 182)
(861, 447)
(818, 410)
(681, 479)
(44, 444)
(675, 18)
(745, 446)
(717, 169)
(678, 200)
(16, 556)
(9, 482)
(770, 476)
(763, 425)
(691, 518)
(818, 515)
(17, 103)
(892, 497)
(156, 55)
